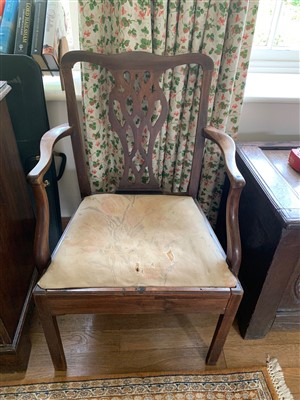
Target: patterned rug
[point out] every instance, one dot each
(252, 384)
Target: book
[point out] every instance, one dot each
(4, 89)
(38, 34)
(294, 159)
(55, 31)
(8, 26)
(2, 4)
(24, 27)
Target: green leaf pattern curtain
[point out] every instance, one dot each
(222, 29)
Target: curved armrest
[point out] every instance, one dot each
(237, 182)
(35, 178)
(227, 145)
(47, 143)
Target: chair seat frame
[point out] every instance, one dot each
(52, 303)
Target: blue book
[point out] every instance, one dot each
(8, 26)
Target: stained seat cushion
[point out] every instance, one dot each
(118, 240)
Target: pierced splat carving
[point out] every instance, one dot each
(138, 160)
(137, 121)
(140, 102)
(146, 139)
(129, 138)
(137, 84)
(126, 76)
(145, 105)
(129, 105)
(146, 76)
(156, 112)
(118, 112)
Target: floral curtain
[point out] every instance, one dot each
(221, 29)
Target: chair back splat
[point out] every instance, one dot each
(138, 250)
(138, 110)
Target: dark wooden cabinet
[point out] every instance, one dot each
(17, 272)
(270, 233)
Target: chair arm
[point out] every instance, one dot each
(35, 178)
(237, 182)
(227, 146)
(47, 143)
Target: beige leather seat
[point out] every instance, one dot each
(136, 241)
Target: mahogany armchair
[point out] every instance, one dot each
(138, 250)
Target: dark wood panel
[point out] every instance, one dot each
(287, 320)
(16, 237)
(270, 233)
(277, 189)
(291, 297)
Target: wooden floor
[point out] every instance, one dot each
(102, 345)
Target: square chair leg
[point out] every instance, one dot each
(51, 331)
(223, 326)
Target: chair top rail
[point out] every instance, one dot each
(136, 60)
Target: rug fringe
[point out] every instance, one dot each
(277, 377)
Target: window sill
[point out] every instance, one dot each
(53, 89)
(260, 88)
(272, 88)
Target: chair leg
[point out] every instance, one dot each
(223, 326)
(51, 331)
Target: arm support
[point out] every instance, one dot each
(237, 183)
(35, 178)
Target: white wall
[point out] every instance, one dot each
(68, 186)
(260, 121)
(269, 121)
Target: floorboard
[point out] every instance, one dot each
(101, 345)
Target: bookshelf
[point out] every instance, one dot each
(38, 28)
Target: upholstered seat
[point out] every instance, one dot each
(136, 241)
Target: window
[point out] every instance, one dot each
(71, 11)
(277, 37)
(276, 42)
(52, 84)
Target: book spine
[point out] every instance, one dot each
(2, 4)
(8, 26)
(50, 42)
(38, 33)
(24, 27)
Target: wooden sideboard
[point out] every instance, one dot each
(17, 272)
(270, 233)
